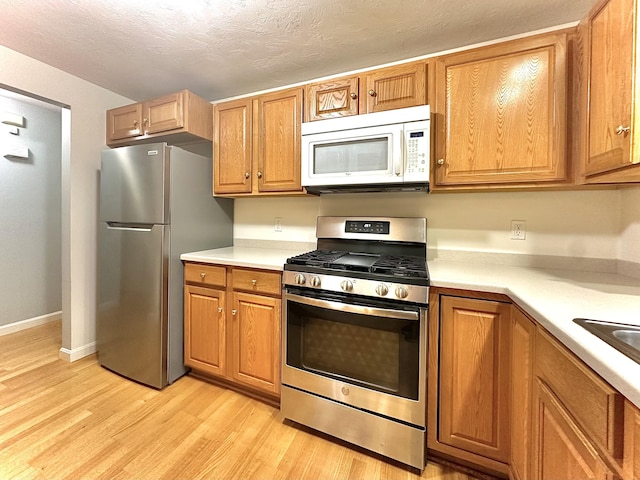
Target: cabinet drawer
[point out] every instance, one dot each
(256, 281)
(592, 402)
(205, 274)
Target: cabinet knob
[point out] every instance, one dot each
(440, 161)
(623, 130)
(146, 122)
(247, 174)
(353, 95)
(219, 309)
(233, 312)
(372, 93)
(254, 282)
(259, 174)
(135, 123)
(202, 275)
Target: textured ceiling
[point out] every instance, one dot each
(221, 48)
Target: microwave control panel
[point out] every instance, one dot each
(416, 136)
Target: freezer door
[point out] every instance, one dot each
(134, 184)
(132, 301)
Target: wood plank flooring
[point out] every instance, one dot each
(62, 420)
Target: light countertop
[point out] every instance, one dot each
(552, 297)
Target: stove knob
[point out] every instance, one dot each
(346, 285)
(401, 292)
(315, 281)
(300, 280)
(382, 289)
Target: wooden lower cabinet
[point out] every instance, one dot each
(471, 384)
(232, 329)
(204, 329)
(523, 332)
(508, 398)
(255, 349)
(560, 450)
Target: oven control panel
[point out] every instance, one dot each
(359, 226)
(359, 286)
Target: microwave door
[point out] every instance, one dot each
(368, 155)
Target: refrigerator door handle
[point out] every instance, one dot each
(140, 227)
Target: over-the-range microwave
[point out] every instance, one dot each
(373, 152)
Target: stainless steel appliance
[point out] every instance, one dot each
(372, 152)
(355, 335)
(155, 203)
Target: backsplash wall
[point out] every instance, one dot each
(583, 224)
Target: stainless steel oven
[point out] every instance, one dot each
(355, 344)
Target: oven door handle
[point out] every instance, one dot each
(360, 309)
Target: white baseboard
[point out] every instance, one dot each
(29, 323)
(77, 353)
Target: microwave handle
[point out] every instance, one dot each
(398, 157)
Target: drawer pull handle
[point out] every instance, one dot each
(233, 312)
(202, 275)
(254, 282)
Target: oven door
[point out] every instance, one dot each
(365, 353)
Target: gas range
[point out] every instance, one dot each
(377, 257)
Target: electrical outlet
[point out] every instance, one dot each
(518, 230)
(277, 224)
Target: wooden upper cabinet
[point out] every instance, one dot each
(610, 94)
(333, 98)
(256, 145)
(164, 113)
(232, 147)
(177, 117)
(374, 91)
(501, 114)
(394, 87)
(124, 122)
(473, 401)
(277, 141)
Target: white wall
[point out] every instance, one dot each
(629, 246)
(88, 104)
(584, 224)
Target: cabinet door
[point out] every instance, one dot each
(560, 450)
(631, 441)
(232, 147)
(277, 148)
(610, 71)
(522, 344)
(164, 113)
(504, 109)
(474, 376)
(204, 329)
(333, 98)
(255, 328)
(394, 87)
(124, 122)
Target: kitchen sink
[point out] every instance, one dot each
(623, 337)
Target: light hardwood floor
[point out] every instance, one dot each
(77, 420)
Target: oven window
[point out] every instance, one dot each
(374, 352)
(370, 155)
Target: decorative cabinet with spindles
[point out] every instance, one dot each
(232, 327)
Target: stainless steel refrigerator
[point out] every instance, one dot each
(155, 204)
